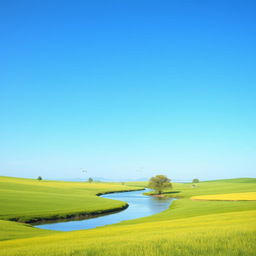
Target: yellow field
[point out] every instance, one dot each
(217, 234)
(248, 196)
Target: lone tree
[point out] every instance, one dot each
(159, 183)
(39, 178)
(90, 180)
(195, 181)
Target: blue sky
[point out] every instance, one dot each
(128, 89)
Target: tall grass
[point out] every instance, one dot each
(217, 234)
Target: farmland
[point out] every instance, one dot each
(188, 227)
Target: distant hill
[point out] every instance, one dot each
(102, 179)
(236, 180)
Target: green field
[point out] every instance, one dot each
(189, 227)
(28, 200)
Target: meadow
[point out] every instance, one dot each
(188, 227)
(246, 196)
(30, 200)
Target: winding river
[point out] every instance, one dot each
(139, 206)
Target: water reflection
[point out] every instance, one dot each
(139, 206)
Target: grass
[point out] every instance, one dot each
(248, 196)
(217, 234)
(13, 230)
(28, 200)
(189, 227)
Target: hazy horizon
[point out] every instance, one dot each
(104, 179)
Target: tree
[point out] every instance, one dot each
(195, 181)
(159, 183)
(90, 180)
(39, 178)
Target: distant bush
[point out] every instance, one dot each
(195, 181)
(39, 178)
(90, 180)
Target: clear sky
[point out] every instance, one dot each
(128, 89)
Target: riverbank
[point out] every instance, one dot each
(85, 215)
(139, 206)
(165, 194)
(32, 201)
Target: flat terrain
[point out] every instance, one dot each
(189, 227)
(247, 196)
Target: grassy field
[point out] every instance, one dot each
(28, 200)
(189, 227)
(247, 196)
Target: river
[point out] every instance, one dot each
(139, 206)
